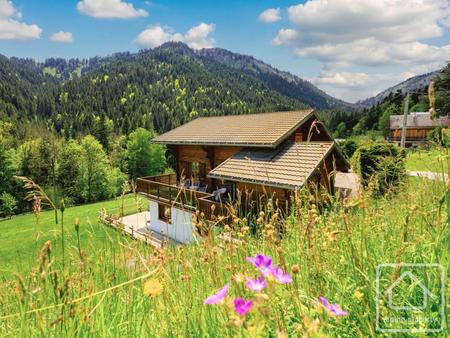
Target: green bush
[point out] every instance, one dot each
(8, 205)
(381, 166)
(348, 147)
(440, 136)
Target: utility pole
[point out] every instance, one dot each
(405, 119)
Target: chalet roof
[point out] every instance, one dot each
(288, 167)
(418, 120)
(258, 130)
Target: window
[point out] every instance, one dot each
(195, 169)
(164, 213)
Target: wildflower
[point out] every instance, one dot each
(242, 306)
(153, 288)
(295, 269)
(77, 224)
(358, 294)
(218, 296)
(256, 285)
(281, 276)
(262, 262)
(332, 309)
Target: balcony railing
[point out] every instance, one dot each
(165, 188)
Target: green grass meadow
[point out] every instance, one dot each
(435, 160)
(20, 244)
(103, 290)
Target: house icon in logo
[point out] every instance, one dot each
(413, 280)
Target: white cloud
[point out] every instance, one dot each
(197, 37)
(345, 36)
(371, 52)
(64, 37)
(155, 36)
(367, 32)
(353, 86)
(386, 20)
(110, 9)
(270, 15)
(13, 29)
(7, 9)
(285, 37)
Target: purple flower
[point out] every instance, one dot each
(281, 276)
(262, 262)
(242, 306)
(333, 309)
(218, 296)
(256, 285)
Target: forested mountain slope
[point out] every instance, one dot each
(413, 84)
(283, 82)
(160, 89)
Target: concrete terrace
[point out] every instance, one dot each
(137, 226)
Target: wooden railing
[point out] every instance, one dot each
(212, 209)
(164, 189)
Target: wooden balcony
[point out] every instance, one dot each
(165, 189)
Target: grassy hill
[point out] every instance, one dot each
(120, 287)
(19, 247)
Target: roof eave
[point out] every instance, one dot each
(218, 144)
(253, 181)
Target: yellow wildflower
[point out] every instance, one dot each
(358, 294)
(153, 288)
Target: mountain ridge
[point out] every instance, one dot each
(415, 83)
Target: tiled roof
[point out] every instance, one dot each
(259, 130)
(418, 120)
(289, 167)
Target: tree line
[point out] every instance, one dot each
(81, 170)
(375, 120)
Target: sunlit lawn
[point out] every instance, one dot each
(333, 253)
(18, 245)
(435, 160)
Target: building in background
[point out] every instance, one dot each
(418, 125)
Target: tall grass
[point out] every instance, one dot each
(331, 252)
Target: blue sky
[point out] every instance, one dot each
(351, 49)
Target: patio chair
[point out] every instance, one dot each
(187, 183)
(219, 192)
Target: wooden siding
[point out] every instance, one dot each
(263, 190)
(411, 133)
(210, 156)
(310, 132)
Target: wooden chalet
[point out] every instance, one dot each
(418, 126)
(215, 158)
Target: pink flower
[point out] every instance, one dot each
(281, 276)
(262, 262)
(242, 306)
(256, 285)
(218, 296)
(332, 309)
